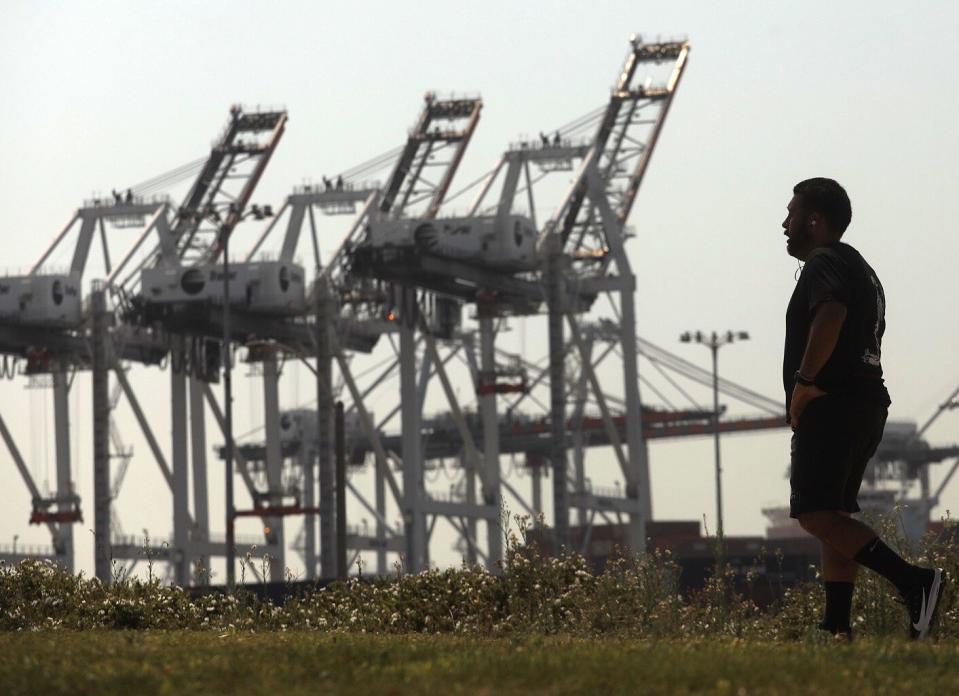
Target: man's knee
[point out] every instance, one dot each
(817, 523)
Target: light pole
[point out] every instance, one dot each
(258, 213)
(714, 341)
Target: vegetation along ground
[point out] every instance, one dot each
(544, 625)
(128, 662)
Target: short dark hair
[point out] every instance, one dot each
(828, 198)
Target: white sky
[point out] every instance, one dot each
(99, 95)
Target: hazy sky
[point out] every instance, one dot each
(98, 95)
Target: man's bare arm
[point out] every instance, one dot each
(823, 336)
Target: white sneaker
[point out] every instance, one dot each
(922, 603)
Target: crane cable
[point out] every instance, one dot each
(376, 163)
(169, 178)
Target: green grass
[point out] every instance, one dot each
(541, 625)
(182, 662)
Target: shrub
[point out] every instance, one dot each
(634, 597)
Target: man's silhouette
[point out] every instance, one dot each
(837, 404)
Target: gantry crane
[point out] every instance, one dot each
(44, 333)
(352, 312)
(484, 259)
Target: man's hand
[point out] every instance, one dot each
(801, 397)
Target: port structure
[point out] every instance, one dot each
(581, 262)
(905, 459)
(350, 314)
(407, 268)
(581, 255)
(49, 334)
(401, 272)
(44, 335)
(169, 297)
(175, 289)
(162, 304)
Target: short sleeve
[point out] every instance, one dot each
(825, 278)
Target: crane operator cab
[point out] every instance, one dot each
(503, 243)
(42, 300)
(269, 287)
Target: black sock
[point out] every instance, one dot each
(880, 558)
(838, 606)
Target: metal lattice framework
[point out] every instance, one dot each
(60, 339)
(582, 255)
(219, 195)
(48, 341)
(351, 312)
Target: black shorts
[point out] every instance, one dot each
(834, 441)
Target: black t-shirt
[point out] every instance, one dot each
(838, 273)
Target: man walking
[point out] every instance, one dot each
(837, 405)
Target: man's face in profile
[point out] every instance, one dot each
(799, 239)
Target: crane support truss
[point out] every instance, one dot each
(54, 338)
(48, 336)
(217, 200)
(353, 313)
(582, 255)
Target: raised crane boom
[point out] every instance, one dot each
(438, 141)
(222, 189)
(437, 128)
(432, 153)
(624, 141)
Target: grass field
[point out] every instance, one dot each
(542, 625)
(181, 662)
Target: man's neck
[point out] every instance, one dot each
(826, 244)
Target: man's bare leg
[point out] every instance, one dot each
(855, 541)
(840, 531)
(835, 566)
(839, 582)
(919, 587)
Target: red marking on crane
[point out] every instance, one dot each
(278, 511)
(66, 516)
